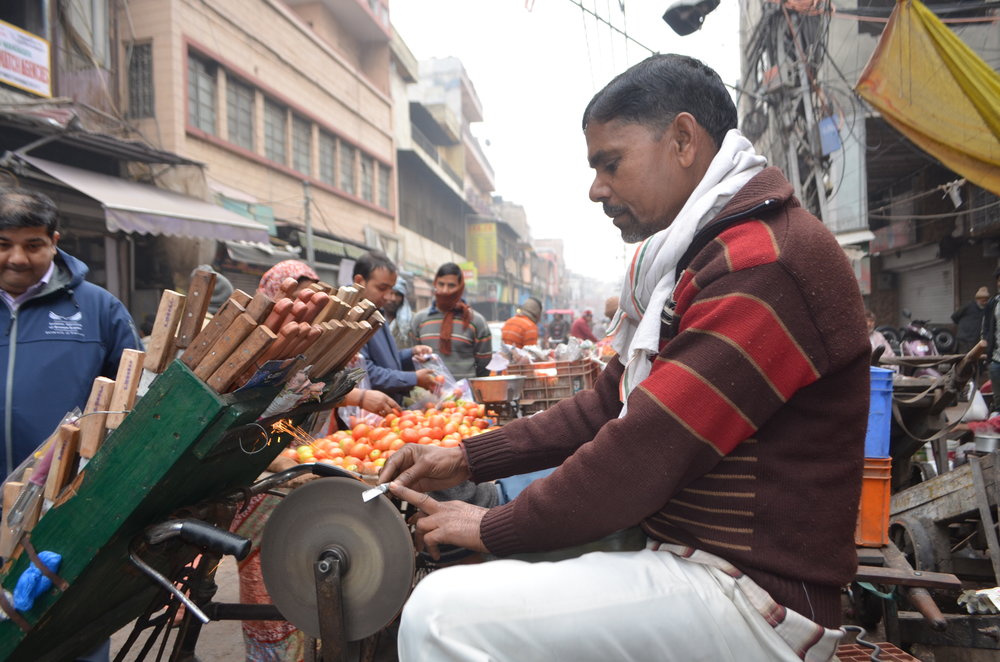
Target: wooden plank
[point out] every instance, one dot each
(946, 497)
(10, 491)
(126, 383)
(224, 346)
(92, 424)
(211, 332)
(241, 297)
(199, 296)
(260, 339)
(260, 307)
(162, 341)
(883, 575)
(985, 515)
(356, 313)
(317, 348)
(335, 310)
(64, 462)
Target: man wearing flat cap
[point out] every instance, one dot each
(969, 319)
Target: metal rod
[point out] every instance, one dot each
(162, 581)
(329, 600)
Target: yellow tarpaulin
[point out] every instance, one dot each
(937, 92)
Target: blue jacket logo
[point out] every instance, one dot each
(65, 326)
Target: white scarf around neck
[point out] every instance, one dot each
(649, 282)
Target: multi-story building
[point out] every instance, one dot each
(447, 210)
(557, 289)
(287, 128)
(432, 171)
(134, 210)
(288, 102)
(887, 200)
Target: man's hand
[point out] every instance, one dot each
(425, 379)
(422, 352)
(442, 522)
(426, 468)
(378, 402)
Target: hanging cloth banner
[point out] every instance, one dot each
(937, 92)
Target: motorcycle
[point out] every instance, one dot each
(944, 339)
(917, 341)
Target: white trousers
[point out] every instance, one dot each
(604, 606)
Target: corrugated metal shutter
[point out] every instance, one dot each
(929, 292)
(246, 282)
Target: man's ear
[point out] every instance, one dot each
(686, 135)
(55, 240)
(358, 280)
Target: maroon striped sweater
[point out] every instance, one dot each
(747, 438)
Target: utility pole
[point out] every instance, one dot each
(310, 253)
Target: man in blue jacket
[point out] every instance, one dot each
(60, 332)
(389, 369)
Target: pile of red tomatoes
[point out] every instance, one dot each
(365, 447)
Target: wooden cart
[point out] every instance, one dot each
(182, 444)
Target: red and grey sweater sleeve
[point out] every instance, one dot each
(735, 361)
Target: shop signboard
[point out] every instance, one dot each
(483, 247)
(470, 274)
(24, 60)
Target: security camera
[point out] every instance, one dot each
(686, 16)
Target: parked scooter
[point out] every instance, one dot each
(918, 341)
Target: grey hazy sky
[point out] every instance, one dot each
(534, 72)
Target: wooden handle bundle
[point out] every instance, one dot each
(327, 328)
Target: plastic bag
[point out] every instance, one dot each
(447, 387)
(978, 409)
(351, 411)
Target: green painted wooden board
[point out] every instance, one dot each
(179, 446)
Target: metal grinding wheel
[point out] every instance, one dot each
(330, 513)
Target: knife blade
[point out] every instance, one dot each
(368, 495)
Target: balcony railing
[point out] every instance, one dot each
(432, 152)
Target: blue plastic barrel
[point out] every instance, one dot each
(879, 413)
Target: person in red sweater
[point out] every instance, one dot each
(522, 329)
(581, 327)
(730, 428)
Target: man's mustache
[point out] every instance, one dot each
(613, 210)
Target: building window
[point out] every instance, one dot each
(275, 138)
(240, 113)
(140, 80)
(348, 180)
(384, 182)
(302, 145)
(327, 159)
(201, 94)
(367, 178)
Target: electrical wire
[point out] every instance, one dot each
(922, 194)
(931, 217)
(601, 19)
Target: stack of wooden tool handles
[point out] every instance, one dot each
(313, 327)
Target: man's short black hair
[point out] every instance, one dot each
(450, 269)
(370, 261)
(654, 91)
(23, 208)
